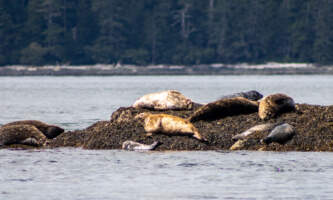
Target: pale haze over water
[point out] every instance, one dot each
(77, 102)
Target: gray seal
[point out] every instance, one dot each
(136, 146)
(280, 134)
(22, 134)
(257, 128)
(251, 95)
(50, 131)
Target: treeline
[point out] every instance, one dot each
(142, 32)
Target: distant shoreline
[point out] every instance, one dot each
(212, 69)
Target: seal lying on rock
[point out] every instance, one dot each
(136, 146)
(21, 134)
(165, 100)
(223, 108)
(169, 125)
(272, 105)
(251, 95)
(280, 134)
(257, 128)
(50, 131)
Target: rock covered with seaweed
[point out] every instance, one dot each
(313, 126)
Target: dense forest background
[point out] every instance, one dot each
(143, 32)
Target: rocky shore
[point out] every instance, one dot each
(211, 69)
(313, 126)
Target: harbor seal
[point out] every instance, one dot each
(280, 134)
(275, 104)
(223, 108)
(257, 128)
(22, 134)
(169, 125)
(250, 95)
(50, 131)
(164, 100)
(136, 146)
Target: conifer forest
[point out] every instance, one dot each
(181, 32)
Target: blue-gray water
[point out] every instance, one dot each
(77, 102)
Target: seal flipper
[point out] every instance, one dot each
(154, 145)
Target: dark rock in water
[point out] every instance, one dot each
(280, 134)
(251, 95)
(313, 125)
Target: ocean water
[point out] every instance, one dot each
(77, 174)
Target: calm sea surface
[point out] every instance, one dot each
(77, 102)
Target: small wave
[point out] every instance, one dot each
(20, 180)
(188, 164)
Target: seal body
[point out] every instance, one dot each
(169, 125)
(257, 128)
(50, 131)
(272, 105)
(280, 134)
(223, 108)
(251, 95)
(21, 134)
(136, 146)
(165, 100)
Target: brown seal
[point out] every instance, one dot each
(223, 108)
(275, 104)
(50, 131)
(164, 100)
(169, 125)
(21, 134)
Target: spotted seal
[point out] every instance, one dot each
(251, 95)
(224, 107)
(136, 146)
(164, 100)
(257, 128)
(169, 125)
(50, 131)
(21, 134)
(280, 134)
(275, 104)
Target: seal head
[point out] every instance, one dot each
(275, 104)
(280, 134)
